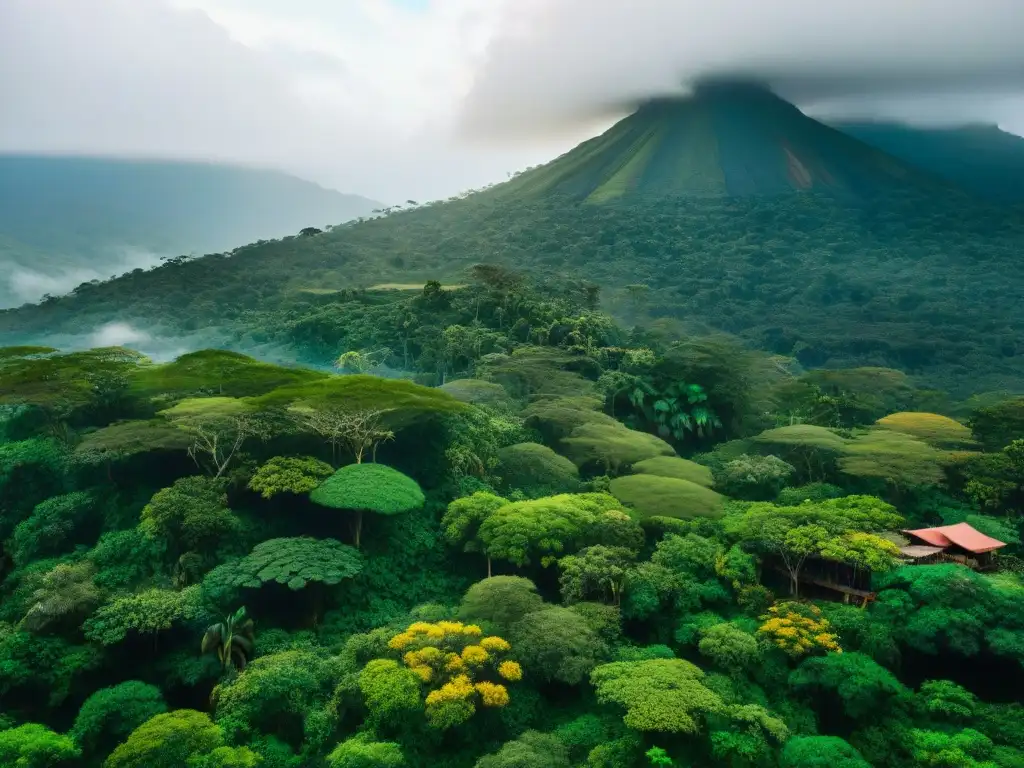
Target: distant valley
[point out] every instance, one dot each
(66, 220)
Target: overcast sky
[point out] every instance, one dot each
(419, 99)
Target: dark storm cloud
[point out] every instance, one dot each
(559, 61)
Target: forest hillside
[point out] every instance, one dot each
(503, 530)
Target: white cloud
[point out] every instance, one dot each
(558, 60)
(359, 95)
(397, 99)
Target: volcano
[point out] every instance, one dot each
(725, 140)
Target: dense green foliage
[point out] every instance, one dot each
(545, 579)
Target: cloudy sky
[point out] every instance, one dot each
(422, 98)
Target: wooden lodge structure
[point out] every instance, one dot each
(958, 543)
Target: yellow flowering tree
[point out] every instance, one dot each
(798, 629)
(459, 668)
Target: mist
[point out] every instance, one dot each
(558, 63)
(22, 284)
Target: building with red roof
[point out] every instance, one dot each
(958, 543)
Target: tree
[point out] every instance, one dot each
(30, 472)
(36, 746)
(936, 430)
(729, 647)
(612, 447)
(109, 715)
(542, 529)
(369, 487)
(653, 496)
(500, 600)
(284, 695)
(795, 533)
(191, 515)
(219, 372)
(227, 757)
(862, 687)
(233, 639)
(361, 751)
(537, 470)
(996, 426)
(463, 518)
(754, 478)
(218, 428)
(289, 474)
(147, 613)
(531, 750)
(658, 695)
(596, 572)
(461, 668)
(52, 526)
(798, 629)
(390, 690)
(359, 432)
(65, 595)
(673, 466)
(292, 562)
(167, 740)
(895, 457)
(746, 734)
(557, 644)
(125, 439)
(821, 752)
(946, 701)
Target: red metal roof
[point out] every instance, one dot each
(961, 535)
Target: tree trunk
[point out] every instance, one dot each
(488, 566)
(359, 527)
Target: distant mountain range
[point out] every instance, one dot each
(733, 209)
(982, 159)
(65, 220)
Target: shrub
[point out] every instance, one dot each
(612, 448)
(934, 429)
(652, 496)
(673, 466)
(537, 470)
(753, 478)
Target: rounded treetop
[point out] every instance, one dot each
(374, 487)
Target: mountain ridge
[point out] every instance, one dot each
(78, 215)
(981, 158)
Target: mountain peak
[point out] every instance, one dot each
(728, 138)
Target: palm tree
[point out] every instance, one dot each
(234, 639)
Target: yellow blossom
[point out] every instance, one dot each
(510, 670)
(450, 627)
(474, 654)
(423, 672)
(454, 663)
(495, 644)
(400, 641)
(492, 694)
(456, 689)
(472, 630)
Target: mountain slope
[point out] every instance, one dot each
(726, 140)
(68, 219)
(880, 266)
(980, 158)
